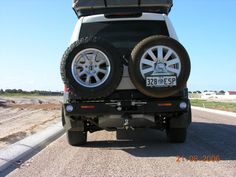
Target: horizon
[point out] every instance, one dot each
(17, 89)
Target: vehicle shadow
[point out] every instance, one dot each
(204, 139)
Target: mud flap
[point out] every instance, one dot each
(182, 121)
(73, 125)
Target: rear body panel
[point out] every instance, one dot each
(161, 20)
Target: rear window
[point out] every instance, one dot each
(124, 35)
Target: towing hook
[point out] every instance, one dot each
(127, 125)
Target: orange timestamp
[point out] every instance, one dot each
(196, 158)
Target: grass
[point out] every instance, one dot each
(214, 105)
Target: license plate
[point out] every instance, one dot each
(161, 81)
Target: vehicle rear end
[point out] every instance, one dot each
(125, 70)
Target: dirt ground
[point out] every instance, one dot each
(23, 116)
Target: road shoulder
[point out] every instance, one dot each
(214, 111)
(13, 155)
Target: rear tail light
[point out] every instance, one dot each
(66, 88)
(69, 108)
(183, 105)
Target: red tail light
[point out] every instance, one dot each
(66, 88)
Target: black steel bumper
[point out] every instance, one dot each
(126, 102)
(125, 107)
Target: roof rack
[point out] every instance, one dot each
(93, 7)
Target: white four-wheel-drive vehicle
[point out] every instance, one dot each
(125, 69)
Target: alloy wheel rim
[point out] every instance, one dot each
(91, 67)
(160, 60)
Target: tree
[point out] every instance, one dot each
(222, 92)
(19, 91)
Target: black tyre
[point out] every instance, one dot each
(63, 117)
(176, 135)
(163, 57)
(76, 138)
(91, 68)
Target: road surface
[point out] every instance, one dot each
(210, 150)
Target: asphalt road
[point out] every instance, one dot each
(210, 150)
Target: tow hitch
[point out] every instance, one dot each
(127, 125)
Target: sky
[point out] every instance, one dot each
(34, 35)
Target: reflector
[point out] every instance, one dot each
(165, 104)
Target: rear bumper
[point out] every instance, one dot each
(125, 102)
(125, 107)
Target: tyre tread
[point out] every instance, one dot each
(66, 81)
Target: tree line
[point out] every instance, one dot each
(34, 92)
